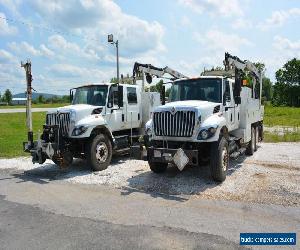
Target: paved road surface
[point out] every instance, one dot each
(37, 211)
(23, 110)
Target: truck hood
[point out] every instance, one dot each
(80, 110)
(203, 108)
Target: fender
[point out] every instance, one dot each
(218, 121)
(93, 122)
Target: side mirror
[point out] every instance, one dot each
(110, 104)
(148, 78)
(120, 96)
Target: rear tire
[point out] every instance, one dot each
(219, 159)
(158, 167)
(99, 152)
(252, 143)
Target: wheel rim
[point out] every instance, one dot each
(101, 152)
(224, 159)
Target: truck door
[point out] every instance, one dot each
(115, 116)
(229, 105)
(133, 116)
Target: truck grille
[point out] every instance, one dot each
(60, 119)
(180, 124)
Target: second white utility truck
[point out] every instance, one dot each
(208, 119)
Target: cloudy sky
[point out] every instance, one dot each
(66, 40)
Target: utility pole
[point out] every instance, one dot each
(118, 70)
(110, 39)
(27, 67)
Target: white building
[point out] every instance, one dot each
(18, 101)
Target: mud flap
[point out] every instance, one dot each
(137, 152)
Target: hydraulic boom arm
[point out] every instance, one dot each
(150, 70)
(233, 62)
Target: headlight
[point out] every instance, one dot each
(206, 133)
(79, 130)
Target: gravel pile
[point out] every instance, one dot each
(271, 175)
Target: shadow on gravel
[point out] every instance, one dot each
(173, 183)
(49, 171)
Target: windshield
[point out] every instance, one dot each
(92, 95)
(198, 89)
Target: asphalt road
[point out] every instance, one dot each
(38, 211)
(23, 110)
(27, 227)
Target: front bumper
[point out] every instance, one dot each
(40, 151)
(166, 155)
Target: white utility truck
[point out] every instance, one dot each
(103, 118)
(207, 119)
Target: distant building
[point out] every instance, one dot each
(18, 101)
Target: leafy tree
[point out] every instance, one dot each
(287, 87)
(267, 86)
(267, 89)
(7, 97)
(157, 87)
(126, 80)
(41, 99)
(290, 73)
(168, 92)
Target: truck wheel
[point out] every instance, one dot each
(158, 167)
(252, 143)
(219, 160)
(99, 152)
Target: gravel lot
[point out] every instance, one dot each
(270, 176)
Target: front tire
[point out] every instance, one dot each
(158, 167)
(219, 160)
(99, 152)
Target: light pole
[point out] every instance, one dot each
(110, 39)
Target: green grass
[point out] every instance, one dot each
(13, 132)
(41, 105)
(287, 137)
(282, 116)
(13, 128)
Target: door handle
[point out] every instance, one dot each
(123, 117)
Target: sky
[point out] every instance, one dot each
(66, 40)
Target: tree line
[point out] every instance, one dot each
(284, 92)
(286, 89)
(7, 98)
